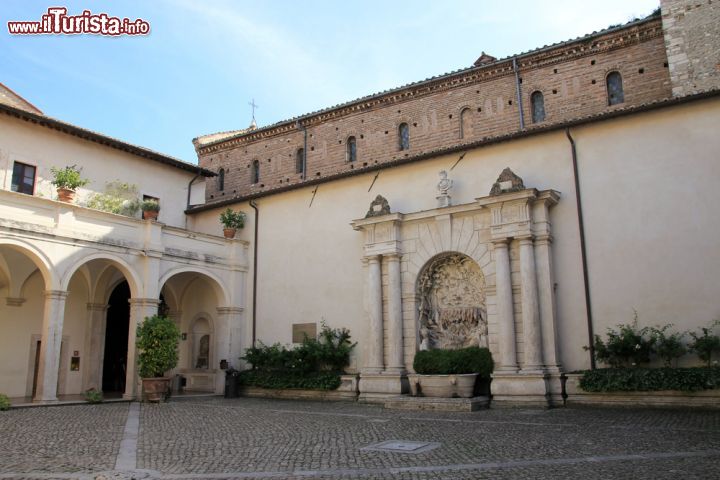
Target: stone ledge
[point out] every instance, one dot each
(404, 402)
(298, 394)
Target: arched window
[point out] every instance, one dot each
(300, 160)
(221, 180)
(466, 123)
(537, 106)
(615, 88)
(255, 174)
(351, 149)
(404, 136)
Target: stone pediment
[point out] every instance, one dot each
(507, 182)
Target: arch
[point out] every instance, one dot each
(221, 180)
(221, 291)
(41, 261)
(537, 106)
(201, 329)
(351, 149)
(130, 275)
(404, 136)
(255, 172)
(451, 294)
(614, 85)
(300, 160)
(465, 125)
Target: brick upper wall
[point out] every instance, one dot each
(571, 77)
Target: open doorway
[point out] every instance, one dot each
(116, 340)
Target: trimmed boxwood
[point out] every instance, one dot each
(650, 379)
(447, 362)
(281, 380)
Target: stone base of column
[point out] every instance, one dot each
(555, 387)
(509, 390)
(376, 388)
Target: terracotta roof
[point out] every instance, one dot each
(518, 56)
(99, 138)
(461, 147)
(9, 97)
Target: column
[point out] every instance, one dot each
(53, 317)
(532, 338)
(95, 346)
(375, 361)
(227, 332)
(506, 318)
(395, 321)
(546, 299)
(139, 309)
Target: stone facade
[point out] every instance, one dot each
(692, 39)
(460, 107)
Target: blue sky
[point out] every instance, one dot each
(205, 60)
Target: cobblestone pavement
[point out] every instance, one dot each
(256, 438)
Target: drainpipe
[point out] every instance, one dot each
(189, 186)
(304, 129)
(255, 269)
(583, 253)
(519, 93)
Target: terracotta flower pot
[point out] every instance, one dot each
(229, 232)
(66, 195)
(155, 389)
(150, 215)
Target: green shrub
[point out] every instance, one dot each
(446, 362)
(150, 206)
(157, 340)
(317, 363)
(625, 347)
(669, 347)
(707, 344)
(68, 177)
(231, 219)
(119, 197)
(93, 396)
(650, 379)
(4, 403)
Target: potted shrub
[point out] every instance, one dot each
(67, 180)
(450, 373)
(4, 402)
(231, 221)
(157, 341)
(150, 209)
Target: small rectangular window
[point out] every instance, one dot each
(23, 178)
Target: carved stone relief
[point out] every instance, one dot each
(507, 182)
(379, 206)
(452, 309)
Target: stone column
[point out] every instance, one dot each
(546, 299)
(532, 338)
(227, 332)
(395, 324)
(139, 309)
(506, 318)
(95, 353)
(53, 317)
(375, 361)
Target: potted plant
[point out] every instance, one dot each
(231, 221)
(449, 373)
(150, 209)
(157, 341)
(67, 180)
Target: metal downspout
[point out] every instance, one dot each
(255, 269)
(583, 253)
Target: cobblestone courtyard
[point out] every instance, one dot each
(248, 438)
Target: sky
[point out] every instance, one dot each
(204, 61)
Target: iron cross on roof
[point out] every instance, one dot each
(254, 106)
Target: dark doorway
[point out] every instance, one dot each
(116, 339)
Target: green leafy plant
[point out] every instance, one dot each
(119, 197)
(232, 219)
(157, 340)
(93, 396)
(4, 403)
(668, 346)
(650, 379)
(628, 346)
(68, 178)
(317, 363)
(707, 343)
(150, 206)
(446, 362)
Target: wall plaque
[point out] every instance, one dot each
(302, 330)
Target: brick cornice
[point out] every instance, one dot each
(592, 44)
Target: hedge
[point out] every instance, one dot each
(447, 362)
(279, 380)
(650, 379)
